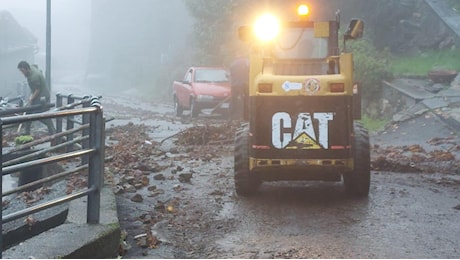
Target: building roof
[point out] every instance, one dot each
(13, 36)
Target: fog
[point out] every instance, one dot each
(137, 43)
(106, 44)
(110, 46)
(70, 29)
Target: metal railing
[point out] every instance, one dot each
(90, 143)
(71, 101)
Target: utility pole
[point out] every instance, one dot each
(48, 44)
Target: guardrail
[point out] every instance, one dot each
(71, 101)
(90, 134)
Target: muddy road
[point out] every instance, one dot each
(174, 183)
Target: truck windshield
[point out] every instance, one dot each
(211, 75)
(300, 43)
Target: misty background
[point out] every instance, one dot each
(104, 45)
(120, 45)
(70, 30)
(112, 46)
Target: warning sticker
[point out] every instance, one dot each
(304, 141)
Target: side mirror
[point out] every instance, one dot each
(355, 29)
(244, 33)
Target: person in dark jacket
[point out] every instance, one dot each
(239, 75)
(39, 94)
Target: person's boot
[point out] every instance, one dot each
(27, 128)
(50, 125)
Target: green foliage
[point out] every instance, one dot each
(421, 64)
(374, 124)
(212, 29)
(371, 67)
(215, 30)
(455, 5)
(23, 139)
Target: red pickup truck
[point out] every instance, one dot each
(202, 88)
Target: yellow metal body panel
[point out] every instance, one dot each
(321, 29)
(262, 73)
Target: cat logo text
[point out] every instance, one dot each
(300, 133)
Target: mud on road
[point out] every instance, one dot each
(175, 194)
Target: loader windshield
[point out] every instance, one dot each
(300, 43)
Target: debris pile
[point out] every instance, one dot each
(132, 156)
(415, 158)
(159, 178)
(207, 134)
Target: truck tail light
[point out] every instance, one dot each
(337, 87)
(265, 88)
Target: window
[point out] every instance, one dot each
(188, 77)
(211, 75)
(299, 43)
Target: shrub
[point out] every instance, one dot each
(371, 66)
(23, 139)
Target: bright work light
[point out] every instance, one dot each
(303, 10)
(267, 27)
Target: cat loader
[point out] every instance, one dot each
(304, 107)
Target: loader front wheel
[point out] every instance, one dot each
(357, 182)
(246, 183)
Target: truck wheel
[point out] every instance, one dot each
(177, 107)
(194, 111)
(246, 184)
(357, 182)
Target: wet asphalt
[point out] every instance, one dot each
(407, 215)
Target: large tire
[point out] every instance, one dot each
(178, 109)
(358, 181)
(246, 184)
(194, 111)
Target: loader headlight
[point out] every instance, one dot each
(303, 10)
(265, 88)
(267, 27)
(337, 87)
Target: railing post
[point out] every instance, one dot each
(96, 162)
(69, 123)
(85, 143)
(58, 119)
